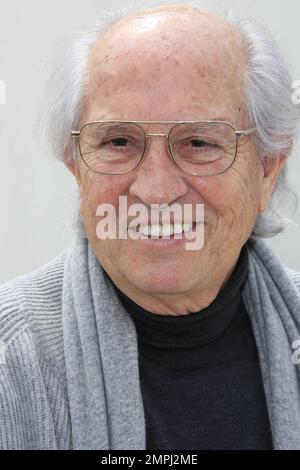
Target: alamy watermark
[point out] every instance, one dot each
(2, 92)
(296, 353)
(296, 94)
(2, 352)
(160, 221)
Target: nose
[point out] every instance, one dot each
(157, 179)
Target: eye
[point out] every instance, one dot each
(118, 142)
(199, 143)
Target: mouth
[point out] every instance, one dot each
(165, 231)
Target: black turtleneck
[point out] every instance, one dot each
(200, 375)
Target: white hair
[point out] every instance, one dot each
(268, 100)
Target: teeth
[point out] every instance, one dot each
(167, 230)
(179, 228)
(164, 230)
(155, 230)
(187, 227)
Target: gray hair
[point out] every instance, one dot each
(268, 99)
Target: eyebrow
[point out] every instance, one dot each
(222, 118)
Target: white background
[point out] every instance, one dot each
(37, 193)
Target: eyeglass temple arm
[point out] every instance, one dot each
(245, 132)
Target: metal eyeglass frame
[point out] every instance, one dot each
(238, 134)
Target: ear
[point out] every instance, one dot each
(271, 170)
(72, 165)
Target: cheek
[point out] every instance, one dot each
(241, 192)
(232, 199)
(242, 184)
(101, 189)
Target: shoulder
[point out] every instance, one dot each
(30, 307)
(34, 292)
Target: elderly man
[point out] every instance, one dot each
(136, 342)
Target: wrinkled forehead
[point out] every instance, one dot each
(203, 56)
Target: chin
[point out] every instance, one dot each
(162, 281)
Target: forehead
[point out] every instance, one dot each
(153, 59)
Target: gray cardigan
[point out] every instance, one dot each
(34, 403)
(33, 387)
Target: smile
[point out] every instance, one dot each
(164, 230)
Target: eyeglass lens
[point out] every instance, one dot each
(197, 148)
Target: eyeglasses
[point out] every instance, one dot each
(200, 148)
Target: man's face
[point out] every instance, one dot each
(168, 68)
